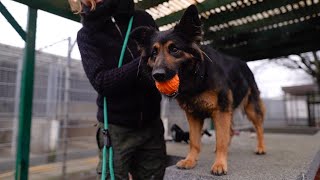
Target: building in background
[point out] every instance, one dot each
(48, 108)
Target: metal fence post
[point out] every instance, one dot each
(52, 91)
(16, 108)
(66, 108)
(26, 95)
(60, 91)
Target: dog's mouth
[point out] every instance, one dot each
(170, 87)
(163, 74)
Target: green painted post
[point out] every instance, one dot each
(12, 21)
(26, 94)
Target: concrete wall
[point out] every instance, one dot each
(275, 115)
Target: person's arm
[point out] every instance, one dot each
(107, 81)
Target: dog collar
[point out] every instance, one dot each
(173, 95)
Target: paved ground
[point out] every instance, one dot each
(288, 157)
(76, 150)
(77, 169)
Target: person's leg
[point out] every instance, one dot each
(123, 147)
(149, 161)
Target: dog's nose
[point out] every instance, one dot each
(159, 74)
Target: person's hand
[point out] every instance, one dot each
(76, 6)
(88, 2)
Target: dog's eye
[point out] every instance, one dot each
(154, 52)
(173, 49)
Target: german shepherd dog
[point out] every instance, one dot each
(211, 84)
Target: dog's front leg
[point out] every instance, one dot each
(195, 126)
(222, 122)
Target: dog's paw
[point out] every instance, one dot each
(260, 151)
(219, 169)
(186, 164)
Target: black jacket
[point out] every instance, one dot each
(132, 100)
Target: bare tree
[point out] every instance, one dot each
(308, 62)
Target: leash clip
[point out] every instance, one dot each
(173, 95)
(106, 138)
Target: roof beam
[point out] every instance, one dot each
(227, 16)
(57, 7)
(276, 52)
(12, 21)
(202, 7)
(282, 31)
(276, 39)
(309, 10)
(294, 38)
(274, 47)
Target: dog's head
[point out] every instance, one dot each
(166, 53)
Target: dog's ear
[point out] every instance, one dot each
(142, 35)
(190, 24)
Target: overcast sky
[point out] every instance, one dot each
(50, 29)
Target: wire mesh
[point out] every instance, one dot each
(48, 110)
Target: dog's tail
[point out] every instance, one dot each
(254, 95)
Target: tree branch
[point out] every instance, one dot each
(307, 63)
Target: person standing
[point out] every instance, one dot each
(135, 126)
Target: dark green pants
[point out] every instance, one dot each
(142, 152)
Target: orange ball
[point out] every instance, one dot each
(169, 87)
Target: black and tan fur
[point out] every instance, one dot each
(211, 84)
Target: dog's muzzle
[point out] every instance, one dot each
(159, 75)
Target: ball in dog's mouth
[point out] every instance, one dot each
(169, 87)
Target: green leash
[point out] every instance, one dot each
(107, 142)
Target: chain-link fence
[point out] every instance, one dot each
(303, 109)
(52, 113)
(8, 86)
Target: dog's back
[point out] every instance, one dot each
(238, 75)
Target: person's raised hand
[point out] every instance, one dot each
(89, 2)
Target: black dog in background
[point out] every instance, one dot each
(211, 84)
(178, 135)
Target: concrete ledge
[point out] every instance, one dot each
(310, 171)
(288, 157)
(288, 130)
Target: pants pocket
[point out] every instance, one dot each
(98, 141)
(99, 138)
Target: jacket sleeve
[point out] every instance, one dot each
(107, 81)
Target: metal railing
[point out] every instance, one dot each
(62, 127)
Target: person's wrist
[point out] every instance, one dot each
(88, 2)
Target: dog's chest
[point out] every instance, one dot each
(201, 106)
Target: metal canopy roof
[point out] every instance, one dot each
(250, 29)
(58, 7)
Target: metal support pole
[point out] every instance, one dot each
(26, 95)
(12, 21)
(66, 109)
(285, 102)
(311, 109)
